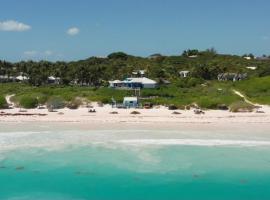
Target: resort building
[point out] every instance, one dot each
(133, 83)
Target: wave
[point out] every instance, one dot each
(195, 142)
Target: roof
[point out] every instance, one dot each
(140, 80)
(116, 81)
(184, 72)
(52, 78)
(22, 78)
(130, 99)
(6, 77)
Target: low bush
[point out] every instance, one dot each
(208, 103)
(28, 102)
(75, 103)
(56, 103)
(3, 103)
(241, 106)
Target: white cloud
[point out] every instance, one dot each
(30, 53)
(265, 37)
(48, 53)
(73, 31)
(38, 55)
(11, 25)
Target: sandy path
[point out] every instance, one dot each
(244, 97)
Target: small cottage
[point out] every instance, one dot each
(53, 80)
(184, 74)
(130, 102)
(232, 77)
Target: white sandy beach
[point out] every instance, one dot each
(159, 115)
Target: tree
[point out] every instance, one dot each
(118, 55)
(190, 52)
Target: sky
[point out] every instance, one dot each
(78, 29)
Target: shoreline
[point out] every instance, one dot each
(146, 116)
(218, 123)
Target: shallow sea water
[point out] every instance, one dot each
(141, 164)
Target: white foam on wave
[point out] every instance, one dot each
(195, 142)
(59, 139)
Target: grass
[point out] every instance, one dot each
(209, 95)
(256, 89)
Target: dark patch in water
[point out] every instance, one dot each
(196, 176)
(2, 167)
(83, 173)
(20, 168)
(243, 181)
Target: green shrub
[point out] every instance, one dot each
(241, 106)
(56, 103)
(28, 102)
(75, 103)
(208, 103)
(3, 103)
(42, 99)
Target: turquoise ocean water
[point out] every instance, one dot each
(35, 167)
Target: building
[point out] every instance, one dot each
(139, 73)
(247, 57)
(130, 102)
(22, 78)
(232, 77)
(6, 78)
(252, 68)
(184, 74)
(53, 80)
(193, 56)
(133, 83)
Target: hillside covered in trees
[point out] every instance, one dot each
(97, 72)
(201, 87)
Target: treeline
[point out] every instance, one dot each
(97, 72)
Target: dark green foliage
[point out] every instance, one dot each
(28, 102)
(89, 78)
(118, 55)
(189, 82)
(3, 103)
(97, 72)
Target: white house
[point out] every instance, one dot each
(22, 78)
(53, 80)
(142, 82)
(139, 73)
(252, 68)
(184, 74)
(247, 57)
(130, 102)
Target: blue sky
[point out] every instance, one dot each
(77, 29)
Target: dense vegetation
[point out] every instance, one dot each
(201, 87)
(3, 102)
(97, 71)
